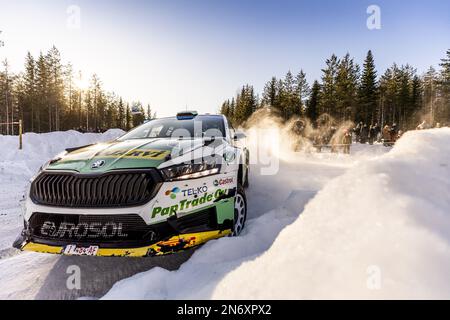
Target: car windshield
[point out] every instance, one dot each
(199, 127)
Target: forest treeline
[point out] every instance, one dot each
(349, 92)
(47, 96)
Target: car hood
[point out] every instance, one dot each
(139, 153)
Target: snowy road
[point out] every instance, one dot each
(31, 275)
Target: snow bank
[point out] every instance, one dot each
(382, 230)
(39, 148)
(18, 166)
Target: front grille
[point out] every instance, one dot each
(79, 228)
(124, 230)
(113, 189)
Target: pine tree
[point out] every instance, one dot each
(430, 92)
(444, 87)
(302, 92)
(121, 115)
(56, 88)
(289, 101)
(416, 100)
(246, 104)
(313, 103)
(346, 89)
(328, 99)
(368, 91)
(225, 108)
(30, 93)
(42, 90)
(270, 93)
(128, 118)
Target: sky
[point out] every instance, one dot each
(194, 54)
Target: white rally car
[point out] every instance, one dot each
(168, 185)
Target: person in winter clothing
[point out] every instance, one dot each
(364, 134)
(347, 141)
(393, 133)
(386, 135)
(372, 134)
(377, 130)
(358, 131)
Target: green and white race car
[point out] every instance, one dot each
(168, 185)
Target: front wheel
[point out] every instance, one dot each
(240, 211)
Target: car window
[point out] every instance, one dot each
(200, 126)
(154, 132)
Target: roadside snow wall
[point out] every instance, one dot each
(381, 230)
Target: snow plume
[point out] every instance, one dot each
(271, 134)
(381, 230)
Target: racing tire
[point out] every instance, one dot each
(240, 212)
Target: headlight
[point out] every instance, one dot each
(190, 171)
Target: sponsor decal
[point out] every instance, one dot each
(188, 204)
(149, 154)
(137, 154)
(223, 181)
(172, 193)
(186, 192)
(83, 230)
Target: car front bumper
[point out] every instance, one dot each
(182, 215)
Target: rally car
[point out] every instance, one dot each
(168, 185)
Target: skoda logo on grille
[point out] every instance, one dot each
(98, 164)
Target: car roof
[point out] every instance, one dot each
(198, 116)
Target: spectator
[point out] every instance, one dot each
(393, 133)
(386, 135)
(364, 134)
(377, 132)
(358, 131)
(372, 134)
(347, 141)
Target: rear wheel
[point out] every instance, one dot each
(240, 211)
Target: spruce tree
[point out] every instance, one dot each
(346, 89)
(313, 103)
(121, 114)
(30, 93)
(328, 99)
(270, 93)
(368, 91)
(302, 92)
(444, 88)
(128, 118)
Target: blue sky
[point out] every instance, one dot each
(199, 52)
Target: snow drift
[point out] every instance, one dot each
(380, 230)
(18, 166)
